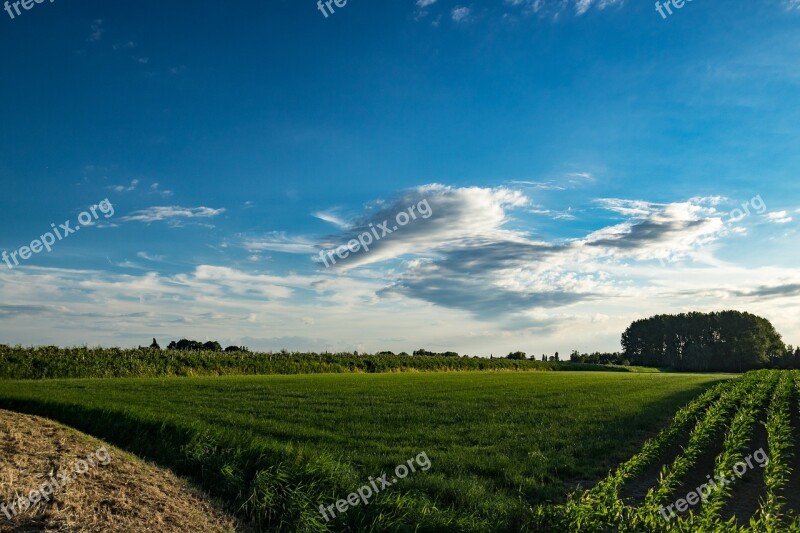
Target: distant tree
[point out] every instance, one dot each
(424, 352)
(386, 353)
(728, 341)
(243, 349)
(517, 356)
(575, 356)
(155, 345)
(187, 345)
(552, 358)
(212, 346)
(556, 356)
(196, 346)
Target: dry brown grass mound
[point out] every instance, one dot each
(125, 494)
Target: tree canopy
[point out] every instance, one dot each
(728, 341)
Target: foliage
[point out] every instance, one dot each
(729, 341)
(52, 362)
(598, 358)
(424, 352)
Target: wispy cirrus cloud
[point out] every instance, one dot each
(172, 214)
(779, 217)
(468, 255)
(554, 7)
(460, 13)
(570, 180)
(126, 188)
(98, 30)
(332, 218)
(458, 215)
(279, 242)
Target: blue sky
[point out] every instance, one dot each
(581, 160)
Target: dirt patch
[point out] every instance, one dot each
(96, 487)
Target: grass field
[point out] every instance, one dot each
(276, 447)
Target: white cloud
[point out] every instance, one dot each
(460, 13)
(172, 213)
(332, 218)
(279, 242)
(126, 188)
(779, 217)
(555, 7)
(163, 192)
(148, 257)
(458, 215)
(97, 31)
(571, 180)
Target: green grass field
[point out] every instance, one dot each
(275, 447)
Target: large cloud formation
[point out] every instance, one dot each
(466, 255)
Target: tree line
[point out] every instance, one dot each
(726, 341)
(186, 345)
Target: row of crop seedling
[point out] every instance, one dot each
(737, 443)
(769, 517)
(647, 516)
(601, 508)
(589, 510)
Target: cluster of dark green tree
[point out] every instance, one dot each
(424, 352)
(522, 356)
(599, 358)
(727, 341)
(186, 345)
